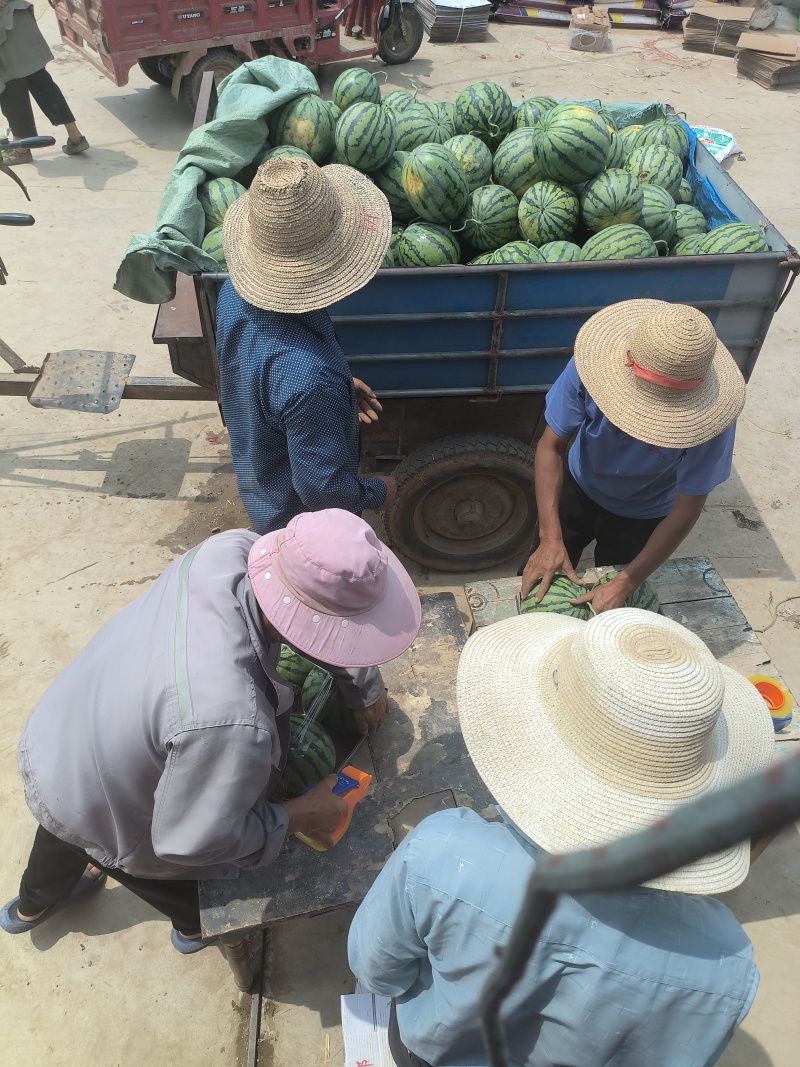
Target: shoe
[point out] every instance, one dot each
(188, 945)
(12, 924)
(12, 157)
(74, 148)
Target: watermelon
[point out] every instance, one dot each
(490, 218)
(307, 123)
(474, 158)
(624, 241)
(334, 110)
(548, 212)
(690, 246)
(355, 86)
(435, 184)
(527, 115)
(416, 125)
(484, 260)
(616, 153)
(518, 252)
(216, 196)
(656, 165)
(334, 713)
(447, 119)
(485, 110)
(212, 246)
(394, 241)
(544, 103)
(571, 143)
(425, 244)
(684, 193)
(557, 599)
(688, 221)
(389, 181)
(668, 132)
(658, 213)
(310, 757)
(628, 139)
(643, 597)
(515, 166)
(734, 237)
(293, 667)
(612, 197)
(284, 150)
(398, 100)
(561, 252)
(366, 136)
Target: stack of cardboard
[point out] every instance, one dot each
(716, 28)
(447, 21)
(769, 59)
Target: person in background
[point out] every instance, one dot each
(24, 54)
(300, 239)
(584, 732)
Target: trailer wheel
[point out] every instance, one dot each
(401, 39)
(221, 60)
(157, 68)
(464, 502)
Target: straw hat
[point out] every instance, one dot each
(303, 237)
(588, 731)
(658, 372)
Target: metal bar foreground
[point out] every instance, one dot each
(761, 803)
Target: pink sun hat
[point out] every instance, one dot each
(334, 591)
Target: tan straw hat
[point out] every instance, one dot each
(589, 731)
(303, 237)
(658, 372)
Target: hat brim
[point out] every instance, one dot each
(665, 418)
(504, 691)
(341, 263)
(376, 636)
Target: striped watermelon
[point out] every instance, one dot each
(388, 260)
(310, 758)
(688, 221)
(544, 103)
(571, 143)
(643, 597)
(307, 123)
(557, 599)
(485, 259)
(485, 110)
(548, 212)
(658, 213)
(734, 237)
(628, 139)
(398, 100)
(425, 244)
(690, 246)
(293, 667)
(616, 153)
(416, 125)
(684, 193)
(212, 246)
(490, 218)
(216, 196)
(656, 165)
(334, 713)
(284, 150)
(561, 252)
(435, 184)
(527, 115)
(624, 241)
(612, 197)
(447, 119)
(518, 252)
(366, 136)
(394, 241)
(669, 132)
(515, 166)
(334, 110)
(389, 181)
(474, 157)
(355, 86)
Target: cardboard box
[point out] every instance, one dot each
(588, 29)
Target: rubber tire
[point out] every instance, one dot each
(423, 476)
(149, 66)
(220, 60)
(406, 49)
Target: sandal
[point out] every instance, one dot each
(9, 916)
(188, 945)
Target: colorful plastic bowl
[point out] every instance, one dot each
(777, 698)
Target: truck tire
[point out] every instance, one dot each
(221, 60)
(464, 502)
(156, 68)
(401, 39)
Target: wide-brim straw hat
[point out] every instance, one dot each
(658, 372)
(303, 236)
(586, 732)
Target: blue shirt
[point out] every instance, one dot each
(290, 410)
(621, 474)
(643, 978)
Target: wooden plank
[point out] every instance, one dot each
(691, 578)
(179, 318)
(492, 601)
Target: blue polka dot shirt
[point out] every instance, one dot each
(290, 410)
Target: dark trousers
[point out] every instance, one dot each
(400, 1054)
(54, 869)
(15, 103)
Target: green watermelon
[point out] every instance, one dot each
(486, 259)
(571, 143)
(422, 123)
(616, 153)
(366, 136)
(216, 196)
(334, 110)
(627, 138)
(389, 181)
(307, 123)
(658, 213)
(656, 165)
(527, 115)
(388, 260)
(518, 252)
(612, 197)
(212, 246)
(334, 713)
(394, 241)
(548, 212)
(561, 252)
(544, 103)
(398, 100)
(684, 193)
(490, 218)
(310, 757)
(355, 86)
(688, 221)
(293, 667)
(446, 120)
(474, 158)
(485, 110)
(624, 241)
(643, 597)
(283, 151)
(435, 184)
(515, 166)
(668, 132)
(425, 244)
(690, 246)
(557, 599)
(734, 237)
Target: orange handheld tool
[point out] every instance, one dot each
(351, 786)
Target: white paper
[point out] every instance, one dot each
(365, 1028)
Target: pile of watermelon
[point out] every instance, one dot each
(479, 181)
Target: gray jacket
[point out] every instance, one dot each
(155, 748)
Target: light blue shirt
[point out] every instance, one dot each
(621, 474)
(643, 978)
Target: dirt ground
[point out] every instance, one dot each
(95, 506)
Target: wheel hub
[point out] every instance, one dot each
(476, 505)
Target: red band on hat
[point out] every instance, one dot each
(656, 378)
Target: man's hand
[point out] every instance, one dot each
(549, 558)
(369, 720)
(607, 596)
(391, 491)
(317, 813)
(369, 407)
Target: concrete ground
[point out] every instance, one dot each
(95, 506)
